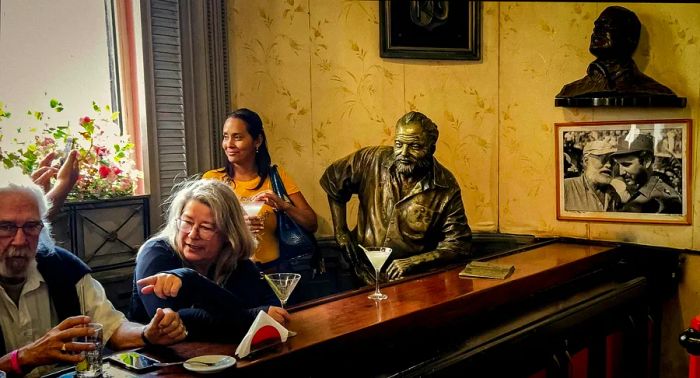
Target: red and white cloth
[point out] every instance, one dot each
(264, 331)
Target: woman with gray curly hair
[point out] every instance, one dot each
(199, 265)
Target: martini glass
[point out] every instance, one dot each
(282, 285)
(377, 256)
(252, 208)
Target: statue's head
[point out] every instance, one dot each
(414, 144)
(616, 33)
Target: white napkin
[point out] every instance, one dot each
(264, 328)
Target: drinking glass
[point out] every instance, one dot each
(283, 284)
(252, 208)
(91, 365)
(377, 256)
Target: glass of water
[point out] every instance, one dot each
(91, 365)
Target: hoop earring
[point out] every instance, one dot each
(257, 149)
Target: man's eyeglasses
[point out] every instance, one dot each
(606, 158)
(205, 233)
(9, 229)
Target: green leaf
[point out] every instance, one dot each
(53, 103)
(115, 115)
(95, 107)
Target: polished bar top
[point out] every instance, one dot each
(355, 318)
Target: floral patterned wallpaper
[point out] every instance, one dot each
(313, 71)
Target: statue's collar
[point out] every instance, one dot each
(612, 69)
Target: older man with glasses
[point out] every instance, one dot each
(592, 190)
(47, 294)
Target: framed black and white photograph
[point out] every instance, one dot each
(430, 29)
(624, 171)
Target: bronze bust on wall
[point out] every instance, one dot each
(613, 79)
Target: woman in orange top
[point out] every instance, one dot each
(247, 171)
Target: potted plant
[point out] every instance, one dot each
(107, 168)
(102, 222)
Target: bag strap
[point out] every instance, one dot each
(277, 185)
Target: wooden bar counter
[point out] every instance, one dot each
(432, 317)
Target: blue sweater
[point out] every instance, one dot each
(209, 311)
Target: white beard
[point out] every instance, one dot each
(15, 262)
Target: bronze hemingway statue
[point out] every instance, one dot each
(408, 202)
(613, 79)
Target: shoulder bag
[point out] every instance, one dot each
(294, 240)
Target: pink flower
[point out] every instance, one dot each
(85, 120)
(104, 171)
(116, 170)
(100, 151)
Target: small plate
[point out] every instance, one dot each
(221, 362)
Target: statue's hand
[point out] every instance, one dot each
(400, 267)
(352, 256)
(347, 243)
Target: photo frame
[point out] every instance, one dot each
(635, 171)
(430, 29)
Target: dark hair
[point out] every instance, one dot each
(429, 127)
(254, 126)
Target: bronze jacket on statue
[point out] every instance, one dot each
(430, 218)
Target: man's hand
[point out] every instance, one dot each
(163, 285)
(68, 173)
(57, 344)
(165, 328)
(400, 267)
(279, 314)
(44, 172)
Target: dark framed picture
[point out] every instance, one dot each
(625, 171)
(430, 29)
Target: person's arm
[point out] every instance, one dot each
(165, 328)
(341, 180)
(347, 242)
(228, 312)
(66, 177)
(49, 348)
(455, 243)
(299, 210)
(155, 257)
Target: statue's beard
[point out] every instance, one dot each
(413, 169)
